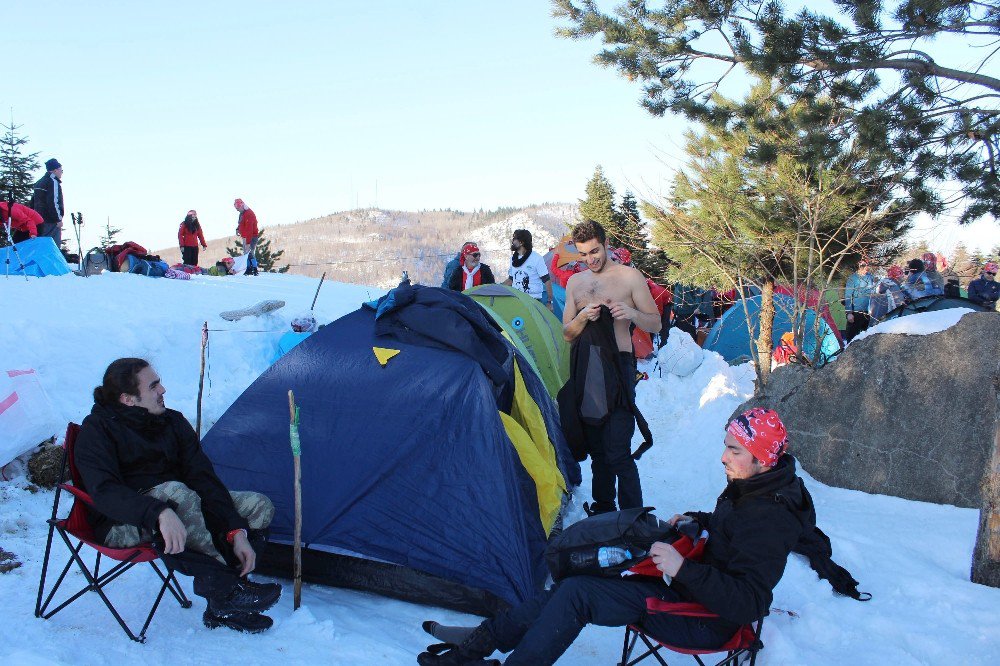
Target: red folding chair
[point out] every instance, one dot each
(76, 526)
(742, 648)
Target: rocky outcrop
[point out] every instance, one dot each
(913, 416)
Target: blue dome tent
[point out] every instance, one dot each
(433, 466)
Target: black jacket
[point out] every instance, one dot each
(597, 386)
(43, 199)
(756, 524)
(457, 280)
(123, 451)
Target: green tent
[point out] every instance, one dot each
(529, 322)
(833, 297)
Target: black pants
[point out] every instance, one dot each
(189, 255)
(211, 577)
(541, 629)
(610, 447)
(860, 323)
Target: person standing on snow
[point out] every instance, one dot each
(471, 273)
(601, 305)
(188, 237)
(857, 294)
(246, 227)
(527, 271)
(47, 201)
(986, 290)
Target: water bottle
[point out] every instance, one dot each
(606, 556)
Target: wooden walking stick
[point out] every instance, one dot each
(201, 375)
(293, 432)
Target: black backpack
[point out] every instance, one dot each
(574, 551)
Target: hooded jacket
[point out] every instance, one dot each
(755, 525)
(24, 218)
(121, 452)
(246, 225)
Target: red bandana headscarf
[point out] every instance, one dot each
(762, 433)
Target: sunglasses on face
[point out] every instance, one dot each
(474, 255)
(988, 273)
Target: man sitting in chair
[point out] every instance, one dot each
(150, 481)
(758, 519)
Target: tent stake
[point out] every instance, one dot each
(293, 431)
(201, 374)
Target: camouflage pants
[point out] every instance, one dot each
(256, 508)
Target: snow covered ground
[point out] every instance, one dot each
(913, 557)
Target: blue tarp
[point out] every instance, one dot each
(407, 463)
(730, 335)
(41, 257)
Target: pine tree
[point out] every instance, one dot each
(15, 169)
(599, 206)
(775, 201)
(652, 262)
(266, 258)
(110, 235)
(932, 123)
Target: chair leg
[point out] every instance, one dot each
(45, 568)
(173, 585)
(651, 651)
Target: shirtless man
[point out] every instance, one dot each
(623, 291)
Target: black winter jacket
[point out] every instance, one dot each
(43, 199)
(121, 452)
(756, 524)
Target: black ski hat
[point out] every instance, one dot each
(52, 165)
(915, 265)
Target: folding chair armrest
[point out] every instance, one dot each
(77, 493)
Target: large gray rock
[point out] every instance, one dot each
(907, 415)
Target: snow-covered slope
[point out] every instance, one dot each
(913, 557)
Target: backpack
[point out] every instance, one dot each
(95, 261)
(573, 552)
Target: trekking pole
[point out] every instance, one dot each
(293, 435)
(201, 375)
(313, 306)
(77, 223)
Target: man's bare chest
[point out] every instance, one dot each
(602, 292)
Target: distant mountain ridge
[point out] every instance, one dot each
(374, 246)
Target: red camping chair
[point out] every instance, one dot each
(76, 526)
(741, 648)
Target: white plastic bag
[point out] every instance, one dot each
(27, 417)
(681, 355)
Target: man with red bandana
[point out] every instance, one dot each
(471, 272)
(758, 519)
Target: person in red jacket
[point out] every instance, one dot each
(23, 225)
(188, 237)
(246, 227)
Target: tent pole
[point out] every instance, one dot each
(313, 306)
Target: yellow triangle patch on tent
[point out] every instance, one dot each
(383, 355)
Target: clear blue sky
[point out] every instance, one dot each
(301, 108)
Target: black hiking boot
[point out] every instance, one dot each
(472, 651)
(248, 623)
(246, 596)
(595, 508)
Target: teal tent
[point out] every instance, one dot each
(731, 337)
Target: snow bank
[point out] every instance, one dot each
(922, 323)
(913, 557)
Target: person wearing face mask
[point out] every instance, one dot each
(528, 272)
(471, 272)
